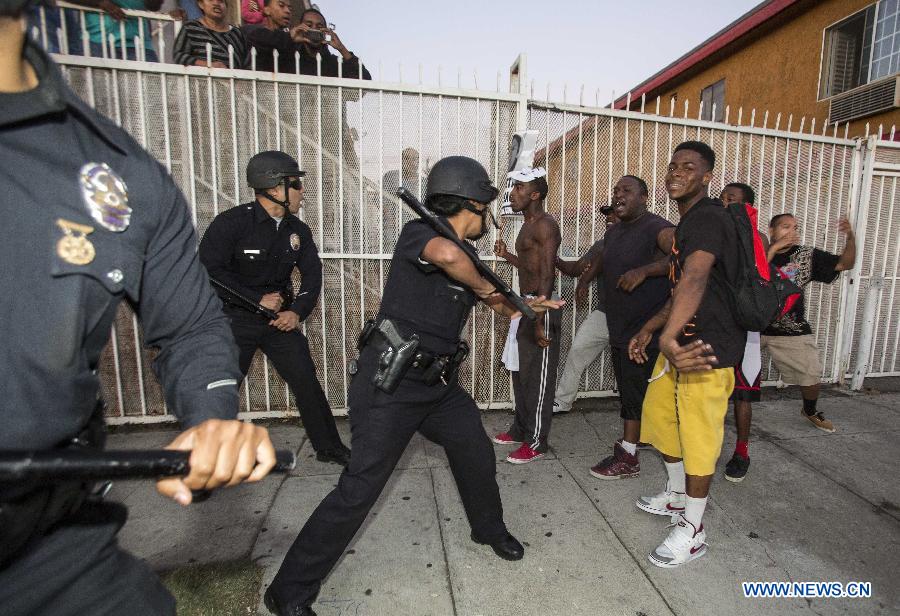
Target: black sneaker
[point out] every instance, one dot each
(736, 468)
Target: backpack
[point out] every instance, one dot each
(759, 293)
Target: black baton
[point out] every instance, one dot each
(245, 301)
(445, 231)
(95, 465)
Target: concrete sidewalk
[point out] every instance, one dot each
(814, 507)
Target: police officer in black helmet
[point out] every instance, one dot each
(406, 382)
(91, 220)
(253, 249)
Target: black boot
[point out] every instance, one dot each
(338, 455)
(506, 547)
(285, 609)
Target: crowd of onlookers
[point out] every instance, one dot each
(307, 45)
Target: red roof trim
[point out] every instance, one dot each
(724, 37)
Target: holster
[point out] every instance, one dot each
(30, 510)
(396, 358)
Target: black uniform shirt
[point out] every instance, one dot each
(69, 254)
(244, 249)
(421, 297)
(707, 226)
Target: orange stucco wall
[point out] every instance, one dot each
(778, 72)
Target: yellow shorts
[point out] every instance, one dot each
(684, 415)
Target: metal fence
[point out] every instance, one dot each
(349, 135)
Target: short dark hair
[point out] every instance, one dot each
(641, 183)
(312, 10)
(705, 152)
(778, 217)
(539, 185)
(446, 205)
(749, 195)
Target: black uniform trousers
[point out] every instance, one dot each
(381, 427)
(289, 352)
(78, 568)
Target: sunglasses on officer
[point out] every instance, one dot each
(295, 183)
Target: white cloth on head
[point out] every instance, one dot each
(527, 174)
(510, 355)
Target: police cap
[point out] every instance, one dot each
(460, 176)
(268, 169)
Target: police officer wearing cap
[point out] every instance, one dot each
(252, 249)
(91, 220)
(406, 382)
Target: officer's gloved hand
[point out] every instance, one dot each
(223, 453)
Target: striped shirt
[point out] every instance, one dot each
(190, 45)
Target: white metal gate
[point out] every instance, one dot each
(349, 135)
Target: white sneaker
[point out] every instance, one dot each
(665, 503)
(684, 544)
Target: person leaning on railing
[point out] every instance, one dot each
(303, 39)
(99, 32)
(213, 29)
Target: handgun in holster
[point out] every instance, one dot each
(396, 359)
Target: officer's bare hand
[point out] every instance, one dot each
(272, 301)
(541, 304)
(287, 321)
(631, 279)
(223, 453)
(696, 356)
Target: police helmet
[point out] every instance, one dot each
(268, 169)
(460, 176)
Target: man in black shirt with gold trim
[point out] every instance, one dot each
(91, 220)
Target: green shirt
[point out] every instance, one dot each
(132, 27)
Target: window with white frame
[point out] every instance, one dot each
(862, 48)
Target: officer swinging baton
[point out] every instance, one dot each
(95, 465)
(445, 231)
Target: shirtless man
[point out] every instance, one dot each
(534, 384)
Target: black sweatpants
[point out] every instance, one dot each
(78, 569)
(534, 385)
(289, 352)
(381, 427)
(632, 380)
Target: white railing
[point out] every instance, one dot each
(205, 123)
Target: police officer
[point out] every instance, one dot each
(253, 249)
(90, 220)
(406, 382)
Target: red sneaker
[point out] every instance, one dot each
(620, 465)
(504, 439)
(523, 455)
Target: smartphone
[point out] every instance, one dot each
(316, 36)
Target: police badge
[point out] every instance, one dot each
(106, 196)
(295, 242)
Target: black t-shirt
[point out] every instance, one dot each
(802, 265)
(421, 297)
(629, 245)
(707, 227)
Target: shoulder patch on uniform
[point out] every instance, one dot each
(105, 196)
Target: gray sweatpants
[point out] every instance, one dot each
(591, 339)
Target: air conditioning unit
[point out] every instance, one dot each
(865, 100)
